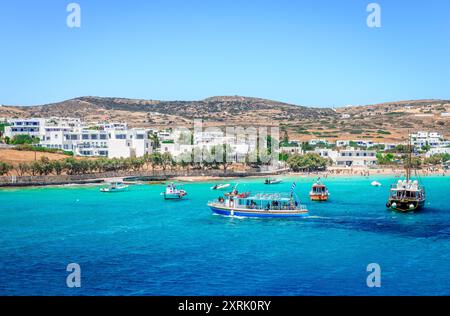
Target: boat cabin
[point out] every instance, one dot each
(407, 190)
(267, 201)
(319, 189)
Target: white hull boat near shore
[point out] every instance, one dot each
(173, 193)
(115, 187)
(220, 186)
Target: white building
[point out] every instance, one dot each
(109, 143)
(326, 153)
(291, 149)
(44, 129)
(342, 143)
(112, 140)
(352, 157)
(33, 127)
(432, 139)
(364, 143)
(314, 142)
(438, 151)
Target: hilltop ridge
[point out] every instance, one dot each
(387, 121)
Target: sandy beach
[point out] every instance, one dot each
(355, 172)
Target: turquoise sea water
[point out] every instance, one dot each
(134, 243)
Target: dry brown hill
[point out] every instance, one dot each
(386, 121)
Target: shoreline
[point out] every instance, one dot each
(324, 175)
(331, 174)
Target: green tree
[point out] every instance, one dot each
(308, 162)
(155, 160)
(46, 167)
(284, 157)
(166, 160)
(155, 141)
(57, 166)
(385, 159)
(5, 168)
(22, 169)
(24, 139)
(416, 162)
(71, 165)
(307, 147)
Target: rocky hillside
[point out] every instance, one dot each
(386, 121)
(214, 110)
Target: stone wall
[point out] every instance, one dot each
(11, 181)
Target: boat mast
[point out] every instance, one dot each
(409, 162)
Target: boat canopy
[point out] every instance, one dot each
(406, 185)
(269, 197)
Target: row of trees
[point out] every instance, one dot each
(213, 159)
(72, 166)
(21, 140)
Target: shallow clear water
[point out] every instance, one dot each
(134, 243)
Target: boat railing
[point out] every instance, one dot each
(417, 187)
(299, 207)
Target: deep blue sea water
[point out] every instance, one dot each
(134, 243)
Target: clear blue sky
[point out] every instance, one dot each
(315, 52)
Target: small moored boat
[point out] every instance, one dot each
(275, 205)
(319, 192)
(172, 193)
(375, 184)
(220, 186)
(273, 181)
(115, 187)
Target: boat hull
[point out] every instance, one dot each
(318, 197)
(220, 187)
(405, 205)
(107, 190)
(173, 196)
(256, 213)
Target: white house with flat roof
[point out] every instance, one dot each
(352, 157)
(437, 151)
(314, 142)
(33, 127)
(342, 143)
(43, 128)
(432, 139)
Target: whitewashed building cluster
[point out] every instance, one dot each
(117, 140)
(112, 140)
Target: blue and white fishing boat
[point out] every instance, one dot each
(115, 187)
(173, 193)
(273, 205)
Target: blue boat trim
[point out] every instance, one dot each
(243, 213)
